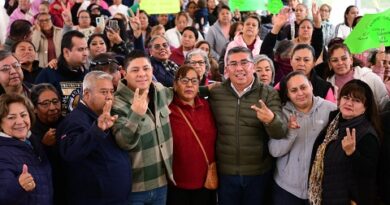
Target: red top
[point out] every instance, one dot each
(189, 163)
(177, 56)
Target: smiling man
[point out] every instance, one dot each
(143, 129)
(247, 114)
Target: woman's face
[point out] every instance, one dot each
(188, 39)
(181, 23)
(300, 13)
(264, 72)
(97, 46)
(205, 47)
(225, 16)
(25, 52)
(48, 109)
(351, 107)
(340, 61)
(303, 60)
(84, 20)
(352, 14)
(305, 30)
(185, 89)
(251, 27)
(192, 8)
(239, 29)
(211, 4)
(300, 92)
(143, 18)
(17, 122)
(197, 62)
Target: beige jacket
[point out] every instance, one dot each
(40, 42)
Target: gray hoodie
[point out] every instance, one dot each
(293, 153)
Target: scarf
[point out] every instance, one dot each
(317, 171)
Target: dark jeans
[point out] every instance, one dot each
(243, 190)
(178, 196)
(283, 197)
(156, 196)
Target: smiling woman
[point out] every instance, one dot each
(25, 169)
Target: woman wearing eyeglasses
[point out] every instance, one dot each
(11, 75)
(199, 60)
(163, 68)
(189, 161)
(47, 108)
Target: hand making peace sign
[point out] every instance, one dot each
(349, 142)
(140, 102)
(105, 120)
(264, 114)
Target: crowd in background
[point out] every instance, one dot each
(102, 103)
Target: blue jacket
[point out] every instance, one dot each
(13, 154)
(97, 170)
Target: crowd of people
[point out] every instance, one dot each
(102, 103)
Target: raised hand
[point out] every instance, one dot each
(52, 64)
(66, 14)
(316, 15)
(140, 102)
(49, 138)
(349, 142)
(292, 121)
(26, 181)
(113, 36)
(264, 114)
(135, 23)
(280, 20)
(105, 120)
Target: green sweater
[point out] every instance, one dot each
(148, 138)
(242, 142)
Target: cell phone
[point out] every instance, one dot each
(100, 22)
(114, 25)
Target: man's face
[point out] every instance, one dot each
(240, 70)
(11, 74)
(78, 55)
(139, 74)
(96, 97)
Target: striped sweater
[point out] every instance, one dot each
(148, 138)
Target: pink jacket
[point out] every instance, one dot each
(29, 16)
(239, 41)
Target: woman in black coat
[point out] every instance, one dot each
(346, 153)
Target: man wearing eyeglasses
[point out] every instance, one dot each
(247, 114)
(163, 68)
(11, 75)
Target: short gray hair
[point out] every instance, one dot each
(200, 52)
(91, 78)
(155, 38)
(263, 57)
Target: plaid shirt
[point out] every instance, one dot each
(148, 138)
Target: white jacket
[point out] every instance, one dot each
(373, 80)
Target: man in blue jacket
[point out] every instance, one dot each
(97, 170)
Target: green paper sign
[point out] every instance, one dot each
(160, 6)
(371, 31)
(274, 6)
(247, 5)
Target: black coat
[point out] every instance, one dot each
(352, 177)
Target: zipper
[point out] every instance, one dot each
(238, 136)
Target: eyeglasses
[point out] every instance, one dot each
(200, 63)
(352, 99)
(242, 63)
(7, 68)
(47, 103)
(44, 20)
(185, 81)
(159, 46)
